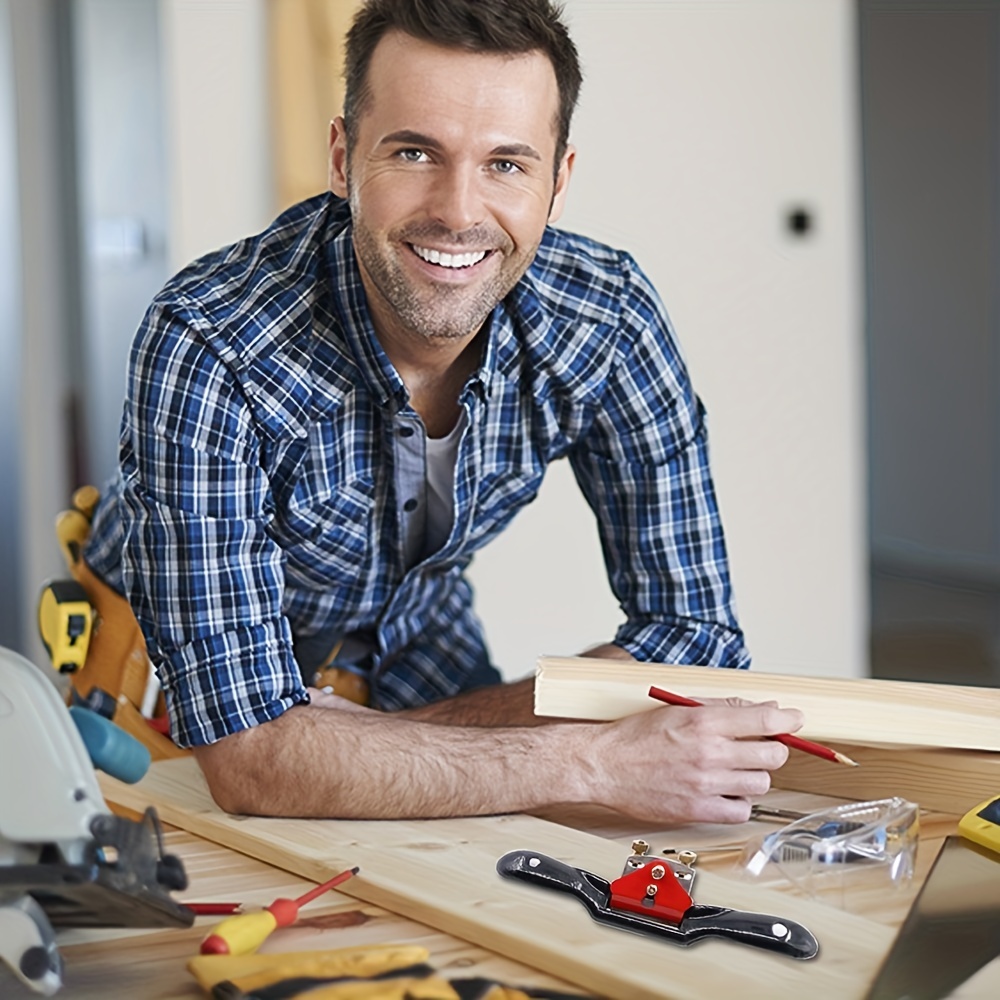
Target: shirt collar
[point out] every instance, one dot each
(350, 305)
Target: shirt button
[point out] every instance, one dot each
(406, 432)
(410, 505)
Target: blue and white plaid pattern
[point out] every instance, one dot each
(257, 500)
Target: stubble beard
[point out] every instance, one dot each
(439, 312)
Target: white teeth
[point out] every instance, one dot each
(449, 259)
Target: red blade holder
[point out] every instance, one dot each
(651, 891)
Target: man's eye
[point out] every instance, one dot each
(412, 155)
(506, 167)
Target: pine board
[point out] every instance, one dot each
(951, 781)
(848, 710)
(442, 873)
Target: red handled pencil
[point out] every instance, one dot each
(790, 741)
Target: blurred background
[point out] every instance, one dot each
(811, 184)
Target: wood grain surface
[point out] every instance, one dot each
(143, 964)
(952, 781)
(442, 873)
(151, 965)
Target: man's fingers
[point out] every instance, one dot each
(720, 809)
(745, 757)
(735, 701)
(756, 755)
(749, 720)
(708, 762)
(780, 720)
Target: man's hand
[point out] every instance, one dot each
(688, 764)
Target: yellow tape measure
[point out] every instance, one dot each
(982, 824)
(65, 622)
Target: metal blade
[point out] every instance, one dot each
(952, 930)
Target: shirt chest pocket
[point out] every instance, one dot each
(499, 497)
(331, 537)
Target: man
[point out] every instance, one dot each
(325, 421)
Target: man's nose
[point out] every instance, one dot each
(457, 198)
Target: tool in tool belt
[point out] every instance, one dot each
(94, 640)
(653, 895)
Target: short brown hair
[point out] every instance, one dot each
(499, 26)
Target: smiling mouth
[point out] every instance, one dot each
(449, 260)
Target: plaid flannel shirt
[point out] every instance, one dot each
(257, 502)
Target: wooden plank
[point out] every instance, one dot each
(951, 781)
(443, 873)
(850, 710)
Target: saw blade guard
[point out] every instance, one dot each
(48, 790)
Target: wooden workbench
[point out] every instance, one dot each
(151, 965)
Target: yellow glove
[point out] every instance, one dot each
(250, 972)
(494, 991)
(430, 987)
(357, 974)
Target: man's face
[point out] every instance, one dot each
(450, 182)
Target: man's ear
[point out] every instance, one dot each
(338, 157)
(562, 184)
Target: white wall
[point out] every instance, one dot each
(123, 202)
(700, 126)
(215, 79)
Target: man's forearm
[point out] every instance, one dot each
(326, 763)
(666, 765)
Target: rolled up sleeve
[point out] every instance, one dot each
(201, 571)
(644, 470)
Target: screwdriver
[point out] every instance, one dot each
(246, 932)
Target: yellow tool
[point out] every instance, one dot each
(376, 972)
(251, 972)
(64, 623)
(246, 932)
(108, 660)
(982, 824)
